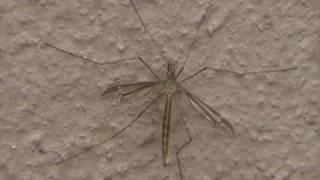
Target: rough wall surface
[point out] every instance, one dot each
(51, 108)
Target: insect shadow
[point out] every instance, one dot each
(171, 85)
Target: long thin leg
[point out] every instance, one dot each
(176, 16)
(85, 59)
(147, 30)
(183, 147)
(112, 137)
(253, 72)
(195, 37)
(235, 72)
(193, 75)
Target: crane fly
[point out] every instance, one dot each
(171, 85)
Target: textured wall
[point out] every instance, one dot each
(51, 108)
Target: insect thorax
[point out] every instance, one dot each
(171, 84)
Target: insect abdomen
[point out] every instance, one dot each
(166, 127)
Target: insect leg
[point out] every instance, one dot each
(195, 37)
(147, 30)
(252, 72)
(112, 137)
(183, 146)
(193, 75)
(235, 72)
(86, 59)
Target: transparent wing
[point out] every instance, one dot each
(125, 90)
(210, 114)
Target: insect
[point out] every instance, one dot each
(171, 85)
